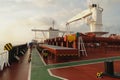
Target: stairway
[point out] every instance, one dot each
(81, 47)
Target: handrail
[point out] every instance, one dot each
(19, 45)
(2, 53)
(4, 57)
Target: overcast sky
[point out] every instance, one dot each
(18, 17)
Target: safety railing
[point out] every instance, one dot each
(7, 57)
(4, 57)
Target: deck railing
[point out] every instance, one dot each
(4, 56)
(13, 55)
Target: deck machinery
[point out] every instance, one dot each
(79, 41)
(72, 41)
(93, 17)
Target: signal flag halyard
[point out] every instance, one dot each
(8, 47)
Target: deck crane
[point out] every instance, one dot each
(93, 17)
(52, 33)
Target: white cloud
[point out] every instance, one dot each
(27, 14)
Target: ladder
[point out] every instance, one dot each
(81, 47)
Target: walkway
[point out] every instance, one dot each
(17, 71)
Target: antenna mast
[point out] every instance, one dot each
(53, 23)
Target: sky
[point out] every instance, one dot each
(18, 17)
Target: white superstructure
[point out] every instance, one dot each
(93, 17)
(53, 33)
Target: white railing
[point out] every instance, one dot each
(4, 57)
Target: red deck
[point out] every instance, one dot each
(17, 71)
(85, 72)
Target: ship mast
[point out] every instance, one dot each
(53, 23)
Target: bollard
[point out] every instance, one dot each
(109, 68)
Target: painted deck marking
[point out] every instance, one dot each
(42, 59)
(42, 71)
(29, 73)
(55, 75)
